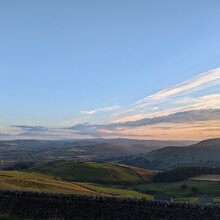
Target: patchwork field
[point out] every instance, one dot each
(184, 195)
(16, 180)
(211, 178)
(105, 179)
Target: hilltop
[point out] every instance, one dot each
(87, 178)
(204, 153)
(95, 172)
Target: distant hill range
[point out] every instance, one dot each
(205, 153)
(92, 149)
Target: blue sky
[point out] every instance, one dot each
(61, 61)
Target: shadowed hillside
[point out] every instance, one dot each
(205, 153)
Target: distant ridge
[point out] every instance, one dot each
(161, 143)
(204, 153)
(88, 149)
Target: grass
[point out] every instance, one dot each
(104, 179)
(146, 174)
(116, 190)
(16, 180)
(30, 181)
(180, 195)
(95, 172)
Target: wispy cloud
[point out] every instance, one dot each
(41, 132)
(200, 92)
(31, 128)
(190, 117)
(103, 109)
(186, 86)
(193, 101)
(186, 110)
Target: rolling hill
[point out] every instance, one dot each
(37, 182)
(93, 172)
(102, 179)
(205, 153)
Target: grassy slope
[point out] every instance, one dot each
(29, 181)
(93, 171)
(90, 172)
(116, 190)
(16, 180)
(134, 188)
(146, 174)
(206, 153)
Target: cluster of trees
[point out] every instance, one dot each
(19, 166)
(193, 189)
(142, 162)
(182, 173)
(59, 206)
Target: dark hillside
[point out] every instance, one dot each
(205, 153)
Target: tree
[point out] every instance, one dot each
(194, 190)
(184, 186)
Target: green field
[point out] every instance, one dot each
(174, 189)
(118, 190)
(16, 180)
(95, 172)
(29, 181)
(105, 179)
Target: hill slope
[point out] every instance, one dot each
(94, 172)
(205, 153)
(36, 182)
(29, 181)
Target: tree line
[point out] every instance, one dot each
(36, 205)
(182, 173)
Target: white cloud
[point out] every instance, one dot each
(192, 102)
(103, 109)
(201, 92)
(198, 81)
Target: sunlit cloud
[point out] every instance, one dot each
(201, 92)
(194, 102)
(186, 86)
(103, 109)
(41, 132)
(189, 110)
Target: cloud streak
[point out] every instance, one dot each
(186, 86)
(189, 108)
(103, 109)
(191, 102)
(200, 92)
(193, 116)
(31, 128)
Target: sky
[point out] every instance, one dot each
(144, 69)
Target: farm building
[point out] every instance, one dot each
(205, 201)
(163, 198)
